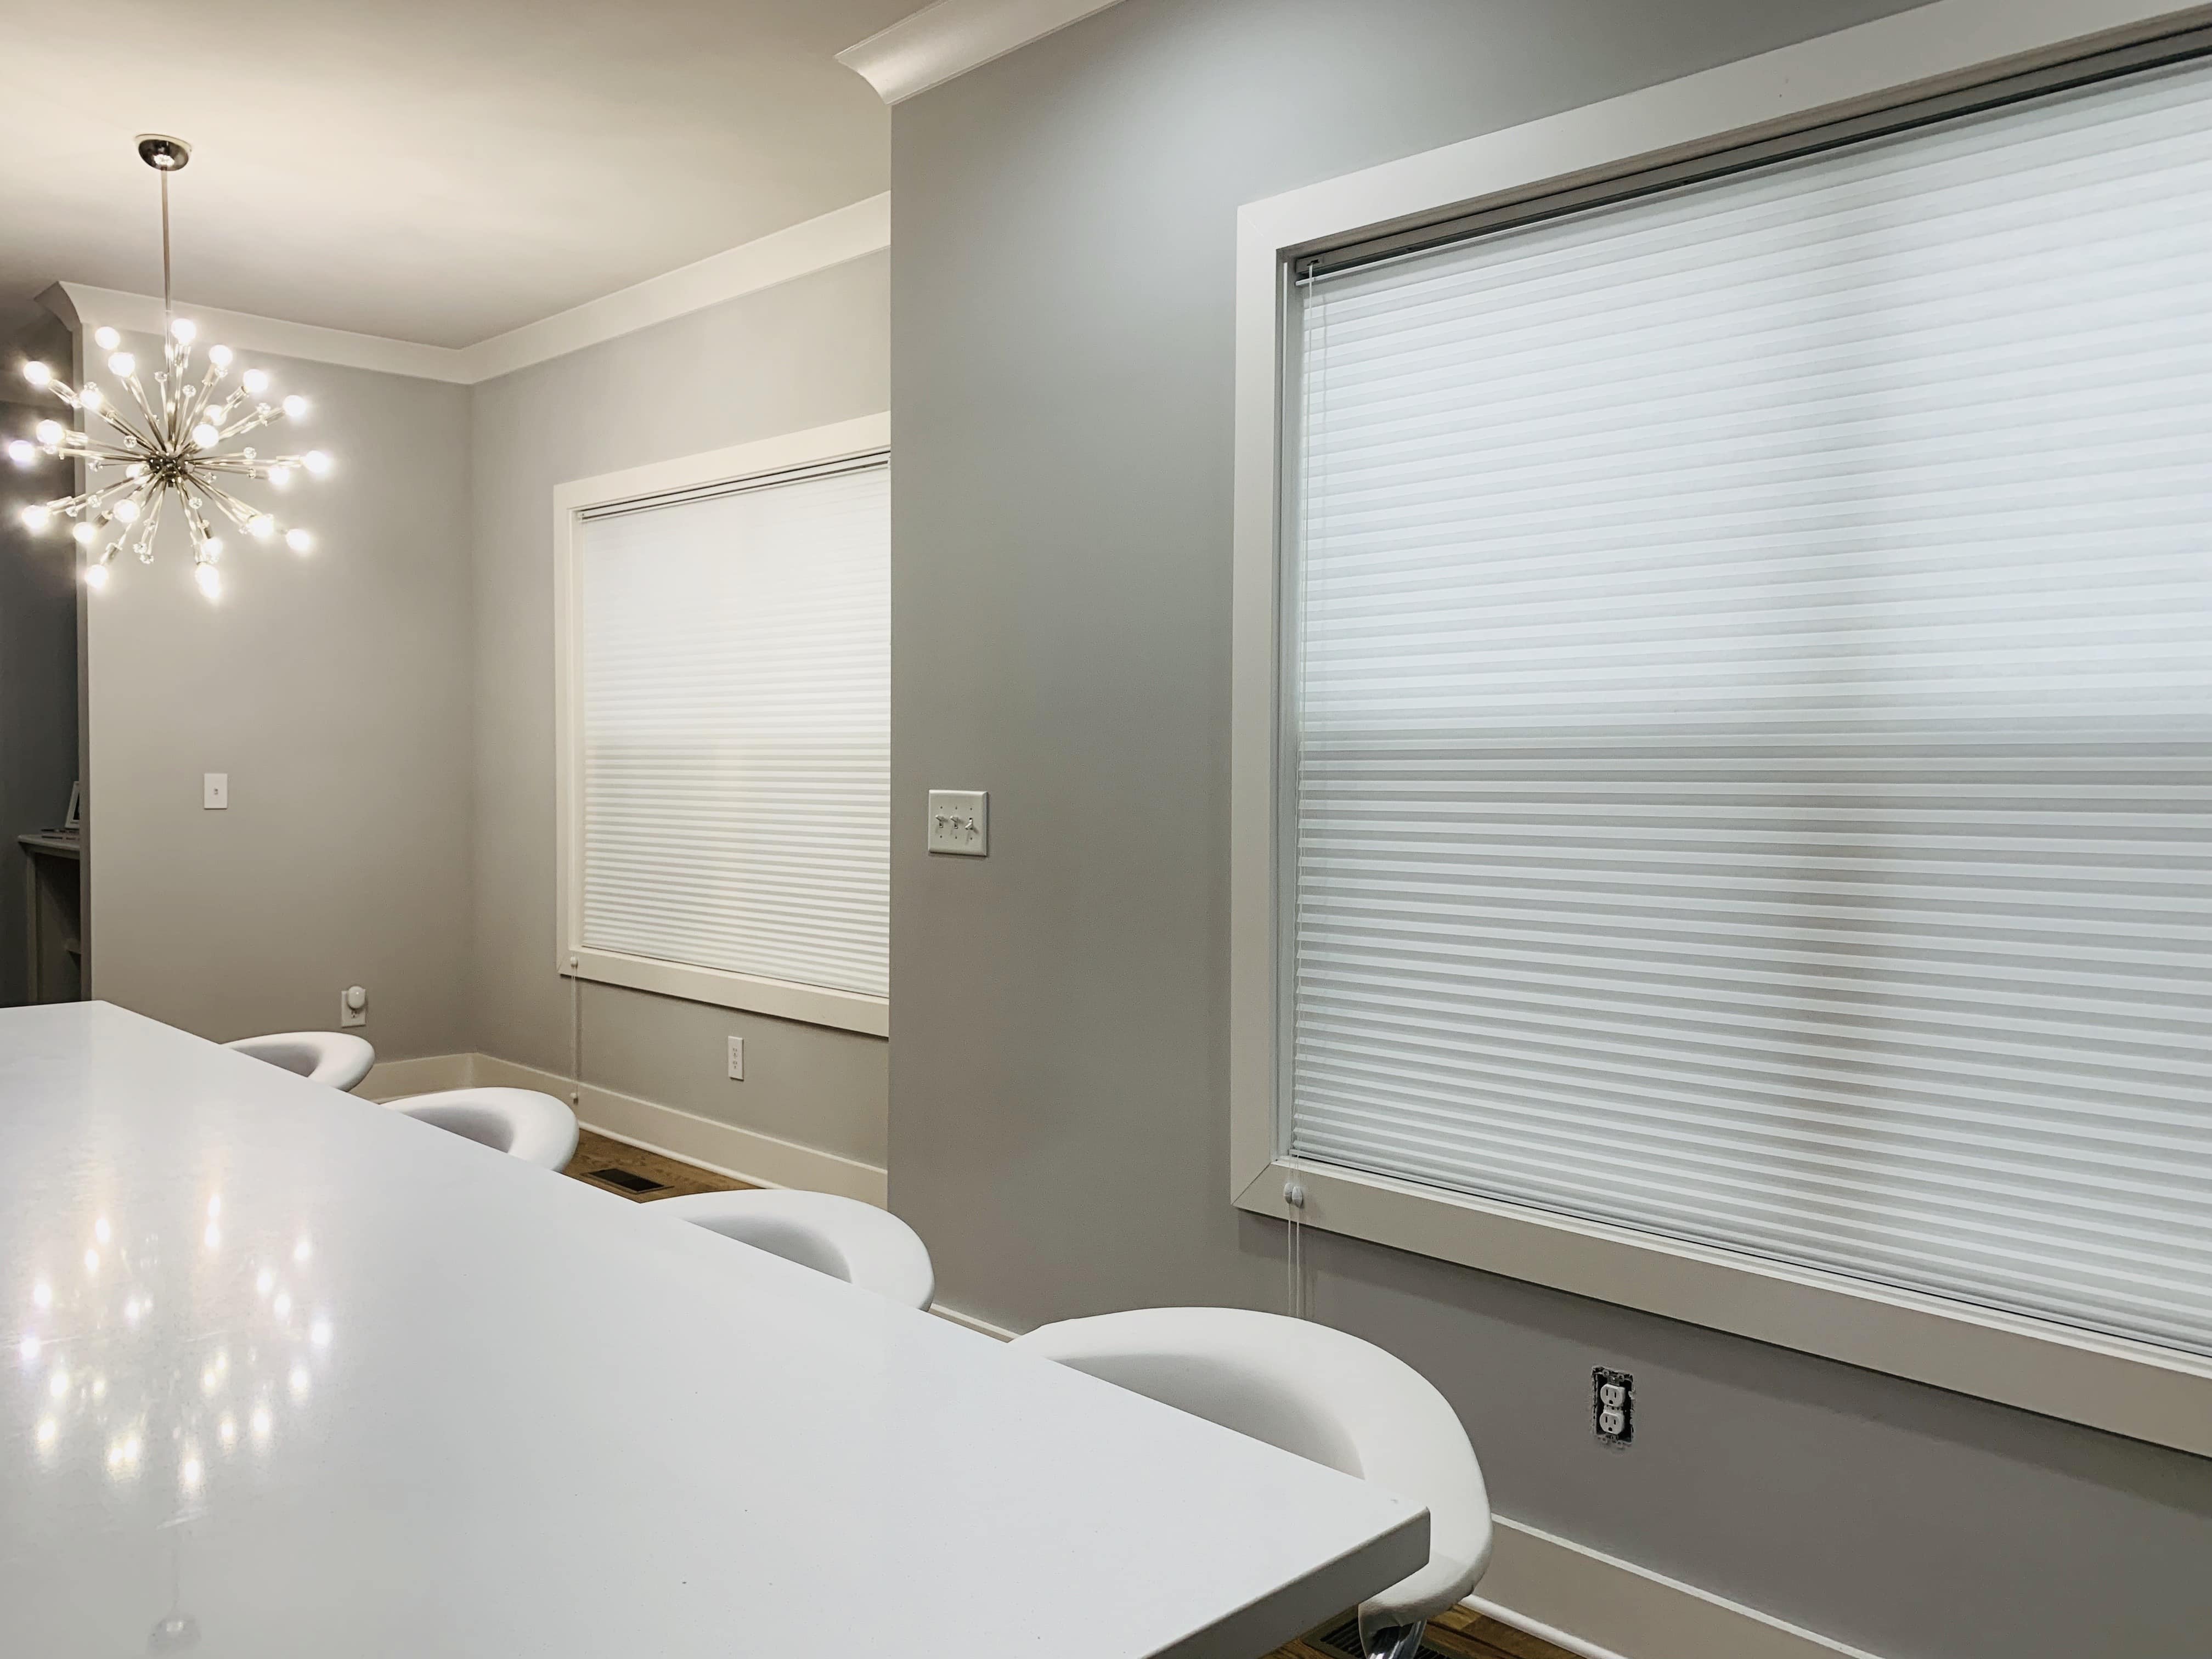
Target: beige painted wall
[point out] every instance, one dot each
(334, 689)
(808, 352)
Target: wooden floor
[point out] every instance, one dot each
(603, 1163)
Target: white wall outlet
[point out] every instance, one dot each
(352, 1006)
(1613, 1405)
(215, 790)
(960, 822)
(737, 1059)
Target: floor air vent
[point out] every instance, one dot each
(1344, 1639)
(628, 1181)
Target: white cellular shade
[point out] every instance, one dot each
(1751, 707)
(736, 731)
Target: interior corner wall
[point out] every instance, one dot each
(802, 353)
(1061, 366)
(334, 689)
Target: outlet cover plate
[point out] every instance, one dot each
(1601, 1379)
(960, 822)
(737, 1060)
(214, 791)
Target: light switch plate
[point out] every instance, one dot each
(737, 1060)
(960, 822)
(215, 790)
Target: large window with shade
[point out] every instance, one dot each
(1741, 753)
(727, 687)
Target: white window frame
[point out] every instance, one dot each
(2131, 1388)
(845, 440)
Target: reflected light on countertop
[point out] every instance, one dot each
(78, 1335)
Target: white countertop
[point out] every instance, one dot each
(319, 1379)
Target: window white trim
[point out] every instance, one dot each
(844, 440)
(2134, 1389)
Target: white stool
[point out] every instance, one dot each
(520, 1122)
(840, 1237)
(330, 1057)
(1323, 1396)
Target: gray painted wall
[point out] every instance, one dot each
(37, 670)
(804, 354)
(334, 689)
(1061, 366)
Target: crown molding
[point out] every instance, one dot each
(812, 245)
(82, 306)
(832, 239)
(954, 36)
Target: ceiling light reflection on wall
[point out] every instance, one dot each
(181, 444)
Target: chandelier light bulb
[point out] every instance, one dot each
(85, 532)
(105, 338)
(316, 462)
(206, 436)
(184, 330)
(295, 406)
(255, 381)
(90, 395)
(35, 517)
(126, 511)
(219, 355)
(36, 374)
(122, 365)
(261, 527)
(211, 549)
(49, 433)
(280, 476)
(299, 540)
(95, 576)
(209, 578)
(21, 453)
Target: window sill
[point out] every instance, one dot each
(2148, 1392)
(848, 1010)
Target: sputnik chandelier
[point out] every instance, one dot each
(179, 444)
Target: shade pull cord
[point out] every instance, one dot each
(575, 1040)
(1294, 1246)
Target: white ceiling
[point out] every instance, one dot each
(438, 171)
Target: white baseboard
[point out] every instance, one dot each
(388, 1079)
(997, 1333)
(741, 1154)
(1597, 1605)
(1602, 1608)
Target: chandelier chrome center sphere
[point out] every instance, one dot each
(181, 444)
